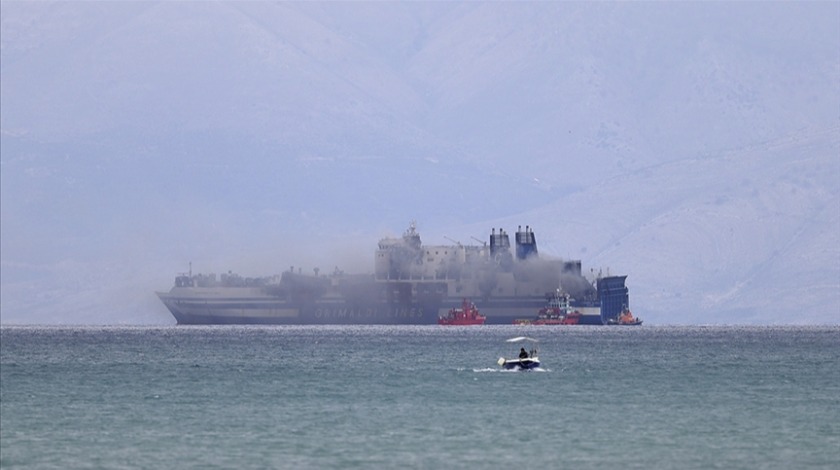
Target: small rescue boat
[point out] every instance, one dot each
(625, 318)
(466, 314)
(524, 360)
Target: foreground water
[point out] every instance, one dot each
(418, 397)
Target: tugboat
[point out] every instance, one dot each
(625, 318)
(557, 312)
(466, 314)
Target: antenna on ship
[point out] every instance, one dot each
(190, 269)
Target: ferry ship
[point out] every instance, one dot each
(411, 283)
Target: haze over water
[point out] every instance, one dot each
(419, 397)
(692, 146)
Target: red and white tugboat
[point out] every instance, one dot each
(466, 314)
(557, 312)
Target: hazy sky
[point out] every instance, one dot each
(690, 145)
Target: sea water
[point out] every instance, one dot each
(419, 397)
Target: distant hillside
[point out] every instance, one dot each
(692, 146)
(750, 236)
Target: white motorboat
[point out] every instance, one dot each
(524, 359)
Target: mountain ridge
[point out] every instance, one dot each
(692, 147)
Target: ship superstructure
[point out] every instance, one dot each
(411, 283)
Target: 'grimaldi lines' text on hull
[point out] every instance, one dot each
(412, 283)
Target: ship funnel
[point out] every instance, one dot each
(499, 242)
(526, 243)
(500, 250)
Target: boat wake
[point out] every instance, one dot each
(508, 371)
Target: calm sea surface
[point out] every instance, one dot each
(419, 397)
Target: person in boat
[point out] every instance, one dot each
(523, 353)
